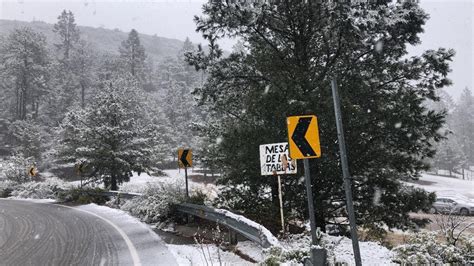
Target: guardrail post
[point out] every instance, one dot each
(232, 237)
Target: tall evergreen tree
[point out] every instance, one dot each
(113, 134)
(82, 64)
(294, 50)
(25, 66)
(133, 54)
(463, 125)
(68, 34)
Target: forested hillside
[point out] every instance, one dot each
(72, 95)
(103, 40)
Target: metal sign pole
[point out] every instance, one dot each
(309, 195)
(345, 172)
(281, 205)
(186, 176)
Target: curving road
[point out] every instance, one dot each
(51, 234)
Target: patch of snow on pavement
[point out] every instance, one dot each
(35, 200)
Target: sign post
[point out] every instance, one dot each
(303, 139)
(80, 170)
(274, 161)
(346, 174)
(185, 160)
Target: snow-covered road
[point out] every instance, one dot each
(33, 233)
(446, 186)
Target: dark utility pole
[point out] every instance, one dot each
(345, 172)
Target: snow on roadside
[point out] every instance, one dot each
(251, 249)
(446, 186)
(138, 183)
(264, 231)
(206, 254)
(339, 249)
(372, 253)
(34, 200)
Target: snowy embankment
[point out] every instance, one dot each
(445, 186)
(196, 254)
(205, 254)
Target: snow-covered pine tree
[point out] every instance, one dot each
(294, 50)
(66, 82)
(133, 56)
(113, 134)
(25, 62)
(68, 34)
(463, 125)
(82, 64)
(449, 155)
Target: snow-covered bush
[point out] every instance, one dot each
(47, 189)
(16, 168)
(156, 202)
(424, 249)
(6, 187)
(84, 195)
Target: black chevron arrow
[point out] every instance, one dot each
(32, 173)
(183, 159)
(299, 136)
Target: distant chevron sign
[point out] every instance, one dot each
(32, 171)
(303, 137)
(185, 158)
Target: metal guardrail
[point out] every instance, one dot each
(251, 230)
(238, 223)
(125, 195)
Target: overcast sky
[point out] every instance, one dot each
(450, 26)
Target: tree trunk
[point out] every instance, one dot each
(83, 91)
(113, 182)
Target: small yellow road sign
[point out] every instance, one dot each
(185, 158)
(303, 137)
(32, 171)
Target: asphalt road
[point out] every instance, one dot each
(51, 234)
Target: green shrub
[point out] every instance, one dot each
(83, 195)
(198, 197)
(6, 188)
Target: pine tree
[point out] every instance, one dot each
(82, 64)
(133, 54)
(113, 134)
(294, 50)
(449, 155)
(25, 62)
(463, 125)
(68, 34)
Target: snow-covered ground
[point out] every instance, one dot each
(195, 254)
(206, 254)
(371, 253)
(446, 186)
(138, 183)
